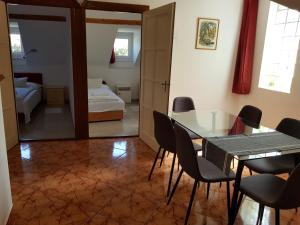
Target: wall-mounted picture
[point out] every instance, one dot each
(207, 33)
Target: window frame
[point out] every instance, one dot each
(285, 80)
(129, 36)
(15, 30)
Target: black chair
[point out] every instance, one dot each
(280, 164)
(184, 104)
(272, 191)
(165, 137)
(251, 115)
(196, 167)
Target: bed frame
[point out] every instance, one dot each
(105, 116)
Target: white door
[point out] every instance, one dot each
(7, 89)
(157, 42)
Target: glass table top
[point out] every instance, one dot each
(217, 123)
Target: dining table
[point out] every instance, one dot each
(227, 137)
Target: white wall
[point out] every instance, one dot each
(5, 192)
(206, 76)
(100, 41)
(275, 105)
(52, 41)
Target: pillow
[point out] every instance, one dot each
(20, 82)
(94, 82)
(34, 85)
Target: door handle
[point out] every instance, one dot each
(165, 84)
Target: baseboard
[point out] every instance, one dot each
(6, 219)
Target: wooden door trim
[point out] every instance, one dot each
(12, 71)
(37, 17)
(172, 45)
(118, 7)
(79, 59)
(114, 21)
(51, 3)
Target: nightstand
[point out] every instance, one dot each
(55, 95)
(124, 92)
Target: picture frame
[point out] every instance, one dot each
(207, 33)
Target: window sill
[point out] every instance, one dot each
(275, 90)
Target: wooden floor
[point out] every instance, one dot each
(105, 182)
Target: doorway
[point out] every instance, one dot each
(113, 64)
(42, 70)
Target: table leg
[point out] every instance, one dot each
(234, 201)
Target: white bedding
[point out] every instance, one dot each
(27, 99)
(103, 99)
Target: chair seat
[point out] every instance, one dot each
(211, 173)
(263, 188)
(275, 165)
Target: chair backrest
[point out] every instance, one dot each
(164, 131)
(251, 115)
(183, 104)
(290, 127)
(290, 197)
(186, 153)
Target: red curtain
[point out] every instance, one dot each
(113, 57)
(244, 63)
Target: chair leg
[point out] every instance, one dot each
(171, 175)
(228, 197)
(250, 171)
(153, 166)
(178, 165)
(233, 164)
(240, 201)
(191, 203)
(168, 154)
(162, 158)
(277, 217)
(208, 188)
(175, 186)
(260, 214)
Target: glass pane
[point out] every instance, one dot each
(16, 45)
(298, 30)
(293, 16)
(281, 7)
(281, 16)
(121, 47)
(290, 29)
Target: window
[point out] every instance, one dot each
(123, 46)
(16, 41)
(281, 49)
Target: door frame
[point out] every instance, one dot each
(118, 7)
(79, 49)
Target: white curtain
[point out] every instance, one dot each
(292, 4)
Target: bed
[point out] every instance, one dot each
(104, 104)
(28, 93)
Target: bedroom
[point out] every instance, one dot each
(113, 63)
(41, 58)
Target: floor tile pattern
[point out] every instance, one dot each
(104, 182)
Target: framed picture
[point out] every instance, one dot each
(207, 33)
